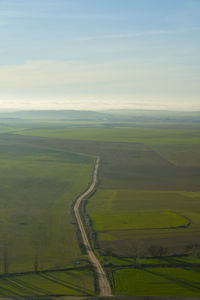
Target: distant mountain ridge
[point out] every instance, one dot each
(103, 116)
(78, 115)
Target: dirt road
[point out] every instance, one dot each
(104, 285)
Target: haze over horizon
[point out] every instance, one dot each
(89, 54)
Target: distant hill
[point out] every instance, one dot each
(67, 115)
(136, 116)
(154, 115)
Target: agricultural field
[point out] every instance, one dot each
(135, 209)
(74, 283)
(125, 165)
(180, 155)
(147, 197)
(129, 134)
(38, 187)
(158, 282)
(125, 219)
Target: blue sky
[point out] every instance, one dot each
(98, 54)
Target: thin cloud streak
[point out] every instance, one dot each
(124, 35)
(24, 10)
(134, 35)
(95, 102)
(28, 4)
(133, 75)
(31, 14)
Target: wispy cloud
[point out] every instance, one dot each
(87, 85)
(137, 34)
(125, 35)
(97, 102)
(19, 14)
(36, 74)
(31, 9)
(78, 76)
(28, 4)
(48, 9)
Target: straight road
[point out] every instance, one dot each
(104, 285)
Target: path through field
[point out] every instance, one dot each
(104, 285)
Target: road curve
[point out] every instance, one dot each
(104, 285)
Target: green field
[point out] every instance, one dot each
(124, 219)
(75, 283)
(133, 134)
(109, 212)
(137, 220)
(145, 262)
(38, 187)
(180, 155)
(158, 282)
(148, 196)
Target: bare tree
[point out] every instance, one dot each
(135, 252)
(157, 250)
(5, 259)
(108, 251)
(194, 251)
(36, 263)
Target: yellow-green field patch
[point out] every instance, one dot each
(125, 218)
(138, 220)
(127, 209)
(76, 283)
(158, 282)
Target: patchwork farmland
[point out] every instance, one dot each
(143, 219)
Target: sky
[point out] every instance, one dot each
(100, 54)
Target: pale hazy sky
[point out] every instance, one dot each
(94, 54)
